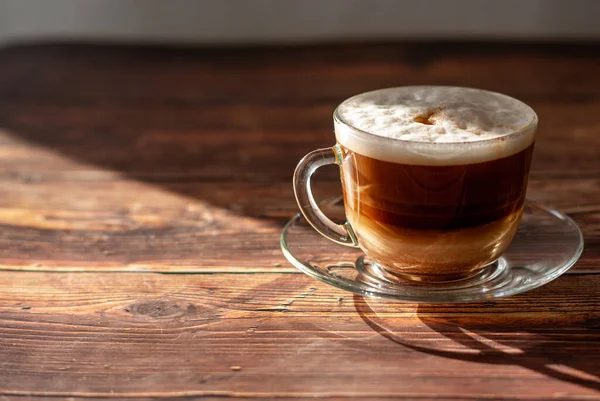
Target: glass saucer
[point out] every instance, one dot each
(546, 245)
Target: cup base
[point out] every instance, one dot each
(376, 272)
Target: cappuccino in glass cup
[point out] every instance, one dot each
(433, 177)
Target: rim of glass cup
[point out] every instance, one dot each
(532, 125)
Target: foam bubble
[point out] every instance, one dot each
(435, 125)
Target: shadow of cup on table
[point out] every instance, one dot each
(547, 342)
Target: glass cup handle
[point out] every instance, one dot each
(339, 233)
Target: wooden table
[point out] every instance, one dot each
(144, 191)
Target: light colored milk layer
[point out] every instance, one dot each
(434, 125)
(434, 252)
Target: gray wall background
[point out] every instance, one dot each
(259, 21)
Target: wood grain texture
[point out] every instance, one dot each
(165, 159)
(286, 335)
(145, 160)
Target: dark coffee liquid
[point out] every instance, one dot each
(435, 197)
(434, 222)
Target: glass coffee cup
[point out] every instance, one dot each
(433, 178)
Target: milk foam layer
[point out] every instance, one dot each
(435, 125)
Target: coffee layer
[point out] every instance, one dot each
(435, 197)
(443, 221)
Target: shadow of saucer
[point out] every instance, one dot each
(567, 353)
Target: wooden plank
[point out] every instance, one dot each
(183, 142)
(121, 224)
(288, 336)
(290, 74)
